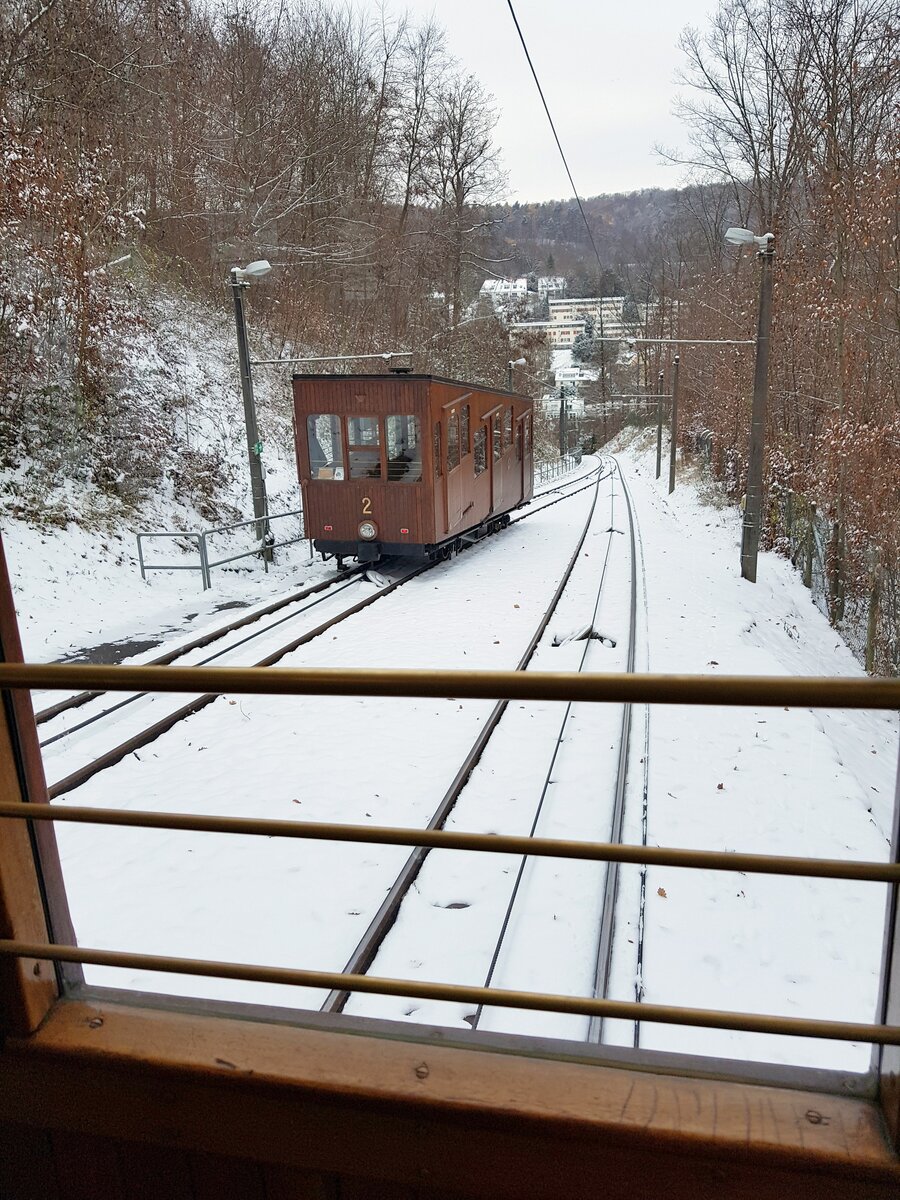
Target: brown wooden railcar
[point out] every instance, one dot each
(408, 464)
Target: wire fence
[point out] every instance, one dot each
(859, 594)
(546, 469)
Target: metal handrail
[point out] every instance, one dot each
(696, 690)
(766, 691)
(202, 536)
(454, 839)
(628, 1010)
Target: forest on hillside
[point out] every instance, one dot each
(153, 144)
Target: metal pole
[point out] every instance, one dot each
(204, 561)
(254, 445)
(563, 433)
(753, 503)
(509, 367)
(659, 401)
(673, 431)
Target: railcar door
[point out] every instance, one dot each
(454, 473)
(496, 461)
(520, 456)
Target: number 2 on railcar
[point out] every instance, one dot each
(410, 465)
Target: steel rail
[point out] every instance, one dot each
(844, 1031)
(645, 809)
(475, 1018)
(763, 691)
(370, 942)
(152, 732)
(132, 699)
(559, 499)
(47, 714)
(490, 843)
(603, 963)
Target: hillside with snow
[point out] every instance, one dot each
(71, 541)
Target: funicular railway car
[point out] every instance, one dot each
(410, 465)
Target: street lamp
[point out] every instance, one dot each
(517, 362)
(240, 279)
(753, 505)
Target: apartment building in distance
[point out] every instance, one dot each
(560, 334)
(605, 310)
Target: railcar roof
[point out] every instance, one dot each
(394, 377)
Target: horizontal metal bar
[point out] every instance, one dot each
(272, 362)
(639, 341)
(171, 567)
(628, 1010)
(220, 562)
(177, 533)
(490, 843)
(266, 517)
(732, 690)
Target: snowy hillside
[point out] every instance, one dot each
(71, 544)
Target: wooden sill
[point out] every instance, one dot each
(328, 1101)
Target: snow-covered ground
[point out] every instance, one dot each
(798, 782)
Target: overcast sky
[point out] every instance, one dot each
(607, 70)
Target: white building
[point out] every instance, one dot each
(550, 406)
(559, 334)
(605, 310)
(551, 285)
(504, 292)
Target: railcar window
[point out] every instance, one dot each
(480, 450)
(364, 441)
(464, 430)
(518, 443)
(498, 445)
(507, 426)
(404, 449)
(437, 448)
(452, 441)
(326, 454)
(528, 435)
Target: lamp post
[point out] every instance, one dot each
(240, 279)
(659, 415)
(517, 362)
(673, 431)
(753, 503)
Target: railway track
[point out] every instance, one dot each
(105, 720)
(42, 716)
(76, 750)
(514, 883)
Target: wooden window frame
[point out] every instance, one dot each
(482, 1119)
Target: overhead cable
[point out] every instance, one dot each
(556, 135)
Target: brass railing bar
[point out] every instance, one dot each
(844, 1031)
(733, 690)
(491, 843)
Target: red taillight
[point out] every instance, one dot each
(404, 531)
(329, 528)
